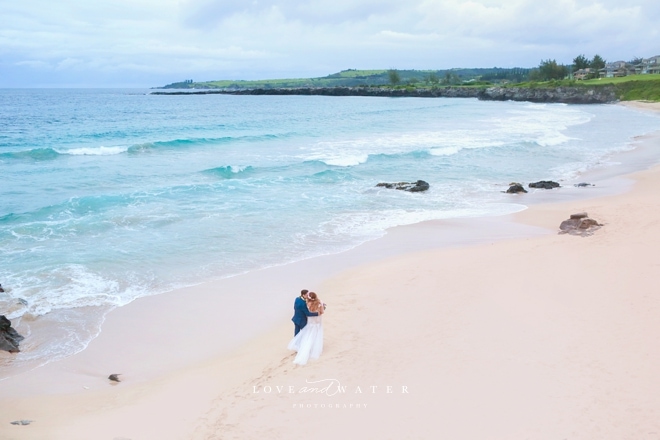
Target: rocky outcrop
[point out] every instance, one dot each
(579, 224)
(9, 338)
(515, 188)
(545, 184)
(572, 95)
(418, 186)
(421, 92)
(568, 95)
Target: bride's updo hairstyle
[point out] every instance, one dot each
(314, 304)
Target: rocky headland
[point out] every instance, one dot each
(563, 94)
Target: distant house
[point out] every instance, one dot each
(583, 74)
(648, 66)
(615, 70)
(620, 68)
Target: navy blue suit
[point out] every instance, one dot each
(300, 314)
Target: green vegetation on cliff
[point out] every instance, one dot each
(639, 90)
(628, 88)
(635, 87)
(356, 78)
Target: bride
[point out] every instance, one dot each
(309, 341)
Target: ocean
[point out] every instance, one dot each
(109, 195)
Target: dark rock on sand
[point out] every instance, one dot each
(9, 338)
(579, 224)
(583, 184)
(21, 422)
(545, 184)
(515, 188)
(418, 186)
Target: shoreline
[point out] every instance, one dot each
(351, 285)
(42, 324)
(399, 240)
(203, 299)
(595, 94)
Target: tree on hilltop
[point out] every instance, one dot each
(394, 77)
(581, 62)
(451, 78)
(549, 70)
(597, 62)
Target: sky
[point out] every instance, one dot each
(150, 43)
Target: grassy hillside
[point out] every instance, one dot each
(623, 79)
(354, 78)
(634, 88)
(629, 88)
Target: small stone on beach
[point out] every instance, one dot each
(515, 188)
(579, 224)
(544, 184)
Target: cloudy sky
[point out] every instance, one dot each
(145, 43)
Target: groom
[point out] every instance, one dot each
(301, 312)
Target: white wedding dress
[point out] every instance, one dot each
(309, 341)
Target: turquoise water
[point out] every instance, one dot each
(109, 195)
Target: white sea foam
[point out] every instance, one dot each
(94, 151)
(552, 138)
(440, 143)
(542, 124)
(69, 286)
(238, 168)
(345, 161)
(444, 151)
(373, 224)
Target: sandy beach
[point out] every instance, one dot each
(494, 328)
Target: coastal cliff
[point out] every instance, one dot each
(565, 94)
(569, 95)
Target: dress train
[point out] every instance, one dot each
(308, 342)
